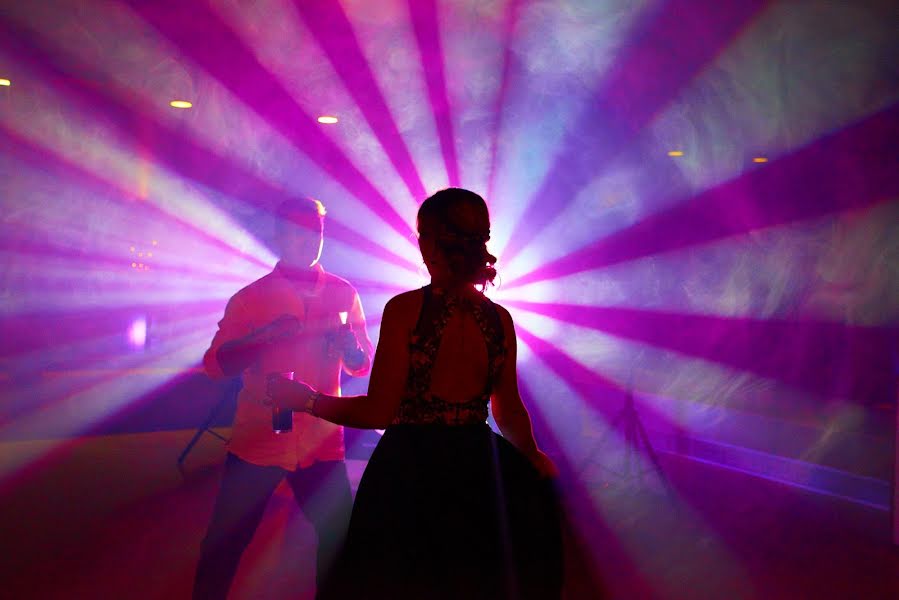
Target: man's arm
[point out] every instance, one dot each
(358, 350)
(236, 355)
(232, 326)
(236, 345)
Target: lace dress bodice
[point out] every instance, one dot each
(419, 405)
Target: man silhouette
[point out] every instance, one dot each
(299, 319)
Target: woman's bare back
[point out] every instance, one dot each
(460, 369)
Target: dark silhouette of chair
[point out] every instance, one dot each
(227, 399)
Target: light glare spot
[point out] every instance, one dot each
(327, 120)
(5, 82)
(180, 104)
(675, 153)
(137, 333)
(759, 159)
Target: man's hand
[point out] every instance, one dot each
(344, 344)
(345, 340)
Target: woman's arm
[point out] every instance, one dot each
(376, 409)
(509, 411)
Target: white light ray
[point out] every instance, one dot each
(48, 121)
(385, 34)
(77, 409)
(737, 108)
(149, 71)
(565, 50)
(276, 49)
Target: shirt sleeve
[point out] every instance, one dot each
(356, 319)
(234, 325)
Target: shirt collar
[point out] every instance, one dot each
(303, 286)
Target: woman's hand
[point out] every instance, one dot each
(286, 393)
(544, 464)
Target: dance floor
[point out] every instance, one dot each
(112, 517)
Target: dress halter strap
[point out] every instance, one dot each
(419, 405)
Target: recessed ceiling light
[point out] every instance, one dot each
(180, 104)
(675, 153)
(5, 82)
(327, 119)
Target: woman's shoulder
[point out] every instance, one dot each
(505, 318)
(406, 299)
(405, 305)
(504, 314)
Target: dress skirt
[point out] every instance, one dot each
(450, 512)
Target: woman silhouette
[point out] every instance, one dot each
(445, 508)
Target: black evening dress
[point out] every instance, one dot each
(446, 508)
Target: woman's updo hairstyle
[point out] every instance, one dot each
(459, 223)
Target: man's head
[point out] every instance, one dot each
(299, 232)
